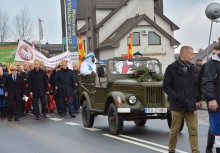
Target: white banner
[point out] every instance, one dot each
(28, 54)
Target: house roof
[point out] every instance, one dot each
(173, 25)
(82, 30)
(112, 13)
(208, 50)
(100, 4)
(107, 4)
(114, 38)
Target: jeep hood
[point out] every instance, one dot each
(135, 82)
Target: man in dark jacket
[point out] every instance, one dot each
(198, 66)
(3, 105)
(54, 86)
(180, 85)
(14, 88)
(25, 77)
(76, 80)
(38, 85)
(66, 86)
(211, 87)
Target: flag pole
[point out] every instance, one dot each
(39, 28)
(67, 46)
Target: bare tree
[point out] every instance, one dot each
(23, 26)
(4, 26)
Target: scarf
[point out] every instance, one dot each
(185, 66)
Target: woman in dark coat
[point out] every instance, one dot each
(66, 86)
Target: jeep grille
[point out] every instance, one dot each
(155, 95)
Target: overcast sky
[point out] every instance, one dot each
(189, 15)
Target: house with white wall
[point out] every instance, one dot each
(105, 26)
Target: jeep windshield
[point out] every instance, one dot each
(128, 66)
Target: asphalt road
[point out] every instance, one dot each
(66, 135)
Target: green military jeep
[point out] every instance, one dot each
(124, 90)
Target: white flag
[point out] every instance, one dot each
(40, 29)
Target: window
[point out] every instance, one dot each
(90, 43)
(135, 39)
(153, 38)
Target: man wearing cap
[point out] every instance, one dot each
(14, 88)
(38, 85)
(65, 82)
(5, 69)
(88, 65)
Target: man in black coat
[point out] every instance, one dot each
(180, 85)
(211, 89)
(14, 88)
(3, 105)
(38, 85)
(76, 80)
(54, 86)
(66, 86)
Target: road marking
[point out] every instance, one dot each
(71, 123)
(55, 119)
(136, 143)
(151, 143)
(48, 116)
(92, 129)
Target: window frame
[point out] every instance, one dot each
(156, 35)
(139, 40)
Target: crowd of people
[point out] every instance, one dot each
(186, 85)
(24, 87)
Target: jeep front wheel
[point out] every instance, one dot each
(140, 122)
(87, 117)
(169, 122)
(115, 122)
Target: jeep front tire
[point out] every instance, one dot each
(87, 117)
(115, 122)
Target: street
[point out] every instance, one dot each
(66, 135)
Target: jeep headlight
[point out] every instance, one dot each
(132, 100)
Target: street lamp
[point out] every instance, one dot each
(212, 12)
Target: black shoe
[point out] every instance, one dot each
(36, 117)
(72, 115)
(208, 151)
(171, 151)
(9, 119)
(45, 115)
(16, 119)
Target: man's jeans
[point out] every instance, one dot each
(70, 104)
(43, 105)
(76, 101)
(191, 119)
